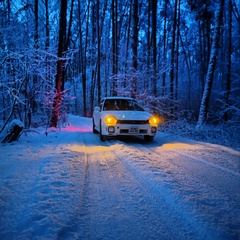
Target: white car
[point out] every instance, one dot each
(123, 116)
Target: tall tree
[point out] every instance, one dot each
(83, 45)
(36, 46)
(211, 66)
(164, 43)
(177, 51)
(59, 81)
(228, 57)
(114, 44)
(127, 39)
(173, 54)
(134, 47)
(204, 16)
(47, 30)
(36, 24)
(98, 52)
(154, 40)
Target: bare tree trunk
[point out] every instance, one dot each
(134, 47)
(47, 88)
(164, 46)
(147, 85)
(154, 40)
(127, 42)
(173, 55)
(70, 25)
(115, 44)
(211, 67)
(59, 82)
(83, 54)
(36, 24)
(47, 43)
(229, 53)
(36, 43)
(98, 53)
(177, 51)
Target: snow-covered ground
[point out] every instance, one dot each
(70, 185)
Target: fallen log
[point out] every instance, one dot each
(13, 131)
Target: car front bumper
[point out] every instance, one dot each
(129, 129)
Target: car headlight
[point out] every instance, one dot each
(154, 120)
(110, 120)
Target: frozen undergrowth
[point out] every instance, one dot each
(222, 134)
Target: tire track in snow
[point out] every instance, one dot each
(160, 201)
(105, 206)
(185, 186)
(151, 213)
(222, 178)
(199, 159)
(79, 171)
(45, 193)
(116, 199)
(136, 203)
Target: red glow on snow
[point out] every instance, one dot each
(76, 129)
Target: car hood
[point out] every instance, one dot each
(129, 115)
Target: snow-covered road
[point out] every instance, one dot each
(70, 185)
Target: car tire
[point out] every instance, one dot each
(94, 128)
(102, 137)
(148, 138)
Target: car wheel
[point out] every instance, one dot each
(148, 138)
(94, 128)
(102, 137)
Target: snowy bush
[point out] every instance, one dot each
(223, 134)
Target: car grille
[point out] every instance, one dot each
(132, 121)
(141, 131)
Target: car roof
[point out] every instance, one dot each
(115, 97)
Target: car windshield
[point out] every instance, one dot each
(122, 104)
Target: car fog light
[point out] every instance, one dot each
(153, 130)
(111, 129)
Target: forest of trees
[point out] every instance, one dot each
(180, 58)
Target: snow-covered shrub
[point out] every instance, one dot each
(222, 134)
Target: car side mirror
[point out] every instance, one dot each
(97, 108)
